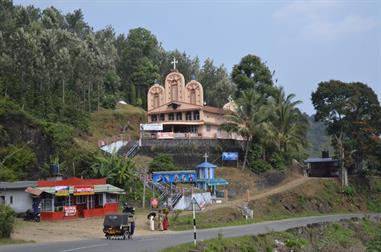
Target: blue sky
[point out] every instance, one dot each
(305, 42)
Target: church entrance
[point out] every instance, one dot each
(180, 128)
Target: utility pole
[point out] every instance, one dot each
(194, 222)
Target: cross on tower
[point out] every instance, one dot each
(174, 61)
(206, 157)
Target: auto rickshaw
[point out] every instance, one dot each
(118, 226)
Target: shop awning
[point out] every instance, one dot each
(97, 189)
(33, 191)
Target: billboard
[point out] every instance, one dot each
(165, 135)
(151, 127)
(174, 177)
(83, 190)
(228, 156)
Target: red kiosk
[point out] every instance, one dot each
(76, 198)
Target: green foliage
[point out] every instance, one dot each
(162, 162)
(252, 73)
(7, 220)
(118, 170)
(349, 190)
(259, 166)
(352, 114)
(16, 162)
(295, 243)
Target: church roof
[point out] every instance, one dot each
(206, 165)
(213, 109)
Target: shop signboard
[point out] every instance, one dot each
(165, 135)
(61, 191)
(174, 177)
(83, 190)
(70, 210)
(151, 127)
(229, 156)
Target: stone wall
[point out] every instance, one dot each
(187, 153)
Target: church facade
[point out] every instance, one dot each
(180, 107)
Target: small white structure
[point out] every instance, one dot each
(14, 195)
(202, 199)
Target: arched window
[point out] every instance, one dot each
(193, 96)
(156, 100)
(174, 93)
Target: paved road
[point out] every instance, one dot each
(157, 242)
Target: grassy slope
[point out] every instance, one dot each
(320, 196)
(111, 122)
(342, 236)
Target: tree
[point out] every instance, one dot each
(249, 118)
(162, 162)
(288, 127)
(116, 169)
(250, 73)
(352, 114)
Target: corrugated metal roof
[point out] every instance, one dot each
(320, 160)
(17, 184)
(97, 189)
(174, 172)
(206, 165)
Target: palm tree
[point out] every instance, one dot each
(287, 127)
(249, 118)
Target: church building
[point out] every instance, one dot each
(180, 107)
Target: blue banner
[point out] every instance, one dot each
(174, 177)
(228, 156)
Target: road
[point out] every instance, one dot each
(157, 242)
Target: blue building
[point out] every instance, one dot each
(206, 179)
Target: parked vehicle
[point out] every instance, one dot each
(119, 226)
(30, 215)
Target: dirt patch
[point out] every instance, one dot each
(91, 228)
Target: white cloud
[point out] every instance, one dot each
(329, 30)
(323, 20)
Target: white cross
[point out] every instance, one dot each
(174, 61)
(206, 157)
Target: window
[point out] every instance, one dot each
(188, 116)
(80, 199)
(193, 96)
(171, 117)
(11, 200)
(196, 115)
(208, 127)
(111, 198)
(153, 118)
(2, 199)
(179, 116)
(174, 92)
(156, 100)
(162, 117)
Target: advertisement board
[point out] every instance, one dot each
(174, 177)
(83, 190)
(70, 210)
(61, 191)
(228, 156)
(151, 127)
(165, 135)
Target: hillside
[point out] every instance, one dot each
(314, 196)
(104, 123)
(317, 138)
(28, 144)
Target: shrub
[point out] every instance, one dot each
(162, 162)
(259, 166)
(7, 220)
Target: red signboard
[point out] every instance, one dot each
(70, 210)
(165, 135)
(83, 190)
